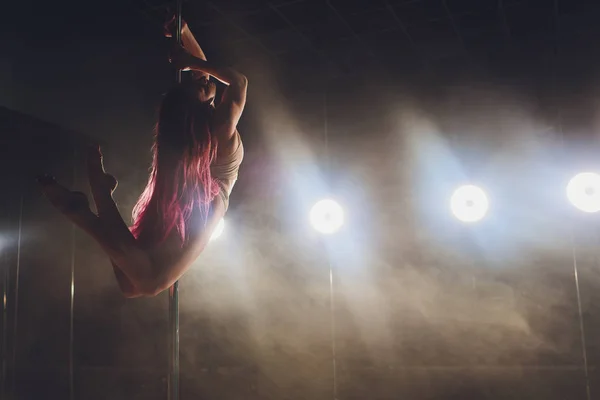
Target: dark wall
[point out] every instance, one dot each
(52, 337)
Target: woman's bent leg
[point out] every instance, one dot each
(113, 236)
(125, 284)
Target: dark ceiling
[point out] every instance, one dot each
(354, 36)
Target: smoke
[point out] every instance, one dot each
(413, 288)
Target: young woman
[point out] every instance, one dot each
(197, 152)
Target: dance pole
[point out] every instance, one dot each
(173, 383)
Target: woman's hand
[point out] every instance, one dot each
(169, 26)
(180, 57)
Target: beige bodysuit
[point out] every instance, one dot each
(225, 171)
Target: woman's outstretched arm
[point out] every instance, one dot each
(188, 41)
(183, 59)
(229, 111)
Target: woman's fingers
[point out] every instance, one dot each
(169, 26)
(179, 57)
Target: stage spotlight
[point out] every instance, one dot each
(583, 191)
(218, 230)
(327, 216)
(469, 203)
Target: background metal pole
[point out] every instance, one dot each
(173, 383)
(72, 296)
(332, 332)
(174, 342)
(16, 300)
(5, 279)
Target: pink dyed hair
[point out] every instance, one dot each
(180, 182)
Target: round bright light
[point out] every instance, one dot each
(218, 229)
(469, 203)
(327, 216)
(583, 191)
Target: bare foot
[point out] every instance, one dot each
(100, 181)
(65, 200)
(102, 186)
(73, 205)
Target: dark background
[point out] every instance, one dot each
(388, 105)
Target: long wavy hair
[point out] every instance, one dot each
(180, 181)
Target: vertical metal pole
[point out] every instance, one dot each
(72, 295)
(326, 125)
(331, 277)
(16, 316)
(5, 280)
(557, 52)
(333, 346)
(173, 382)
(325, 84)
(584, 355)
(174, 342)
(178, 23)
